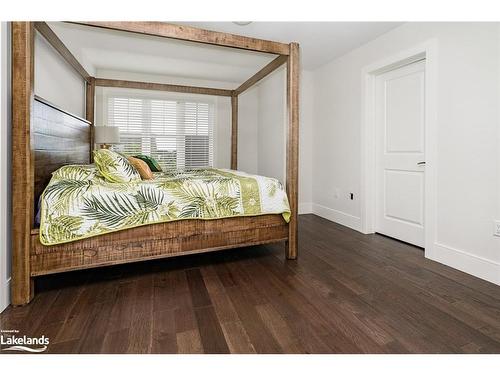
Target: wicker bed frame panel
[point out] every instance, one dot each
(156, 241)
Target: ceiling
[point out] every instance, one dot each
(320, 42)
(100, 49)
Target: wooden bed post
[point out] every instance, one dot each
(292, 147)
(22, 163)
(234, 131)
(89, 111)
(90, 100)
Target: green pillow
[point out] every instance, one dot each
(151, 162)
(115, 167)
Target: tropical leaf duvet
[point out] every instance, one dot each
(79, 203)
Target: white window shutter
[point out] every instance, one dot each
(179, 134)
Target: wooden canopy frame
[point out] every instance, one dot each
(25, 248)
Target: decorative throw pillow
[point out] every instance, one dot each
(151, 162)
(141, 167)
(115, 167)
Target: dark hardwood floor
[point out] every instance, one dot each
(347, 293)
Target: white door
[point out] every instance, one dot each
(400, 111)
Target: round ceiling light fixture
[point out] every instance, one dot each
(242, 23)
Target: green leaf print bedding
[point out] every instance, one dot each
(79, 203)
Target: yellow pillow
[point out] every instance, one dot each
(115, 167)
(141, 167)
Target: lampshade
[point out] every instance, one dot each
(107, 134)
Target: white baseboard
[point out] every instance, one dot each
(336, 216)
(462, 260)
(305, 208)
(5, 295)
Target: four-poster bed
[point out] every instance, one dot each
(39, 148)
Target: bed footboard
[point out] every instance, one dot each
(156, 241)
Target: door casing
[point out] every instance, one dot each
(429, 52)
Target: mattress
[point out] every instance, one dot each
(78, 203)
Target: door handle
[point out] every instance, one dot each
(421, 163)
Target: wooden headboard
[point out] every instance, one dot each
(58, 138)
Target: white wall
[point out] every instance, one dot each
(56, 81)
(271, 144)
(468, 137)
(248, 130)
(5, 257)
(272, 125)
(306, 127)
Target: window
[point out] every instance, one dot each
(178, 133)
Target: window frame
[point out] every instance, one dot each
(108, 92)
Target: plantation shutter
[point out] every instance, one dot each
(177, 133)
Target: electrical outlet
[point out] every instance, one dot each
(351, 195)
(496, 231)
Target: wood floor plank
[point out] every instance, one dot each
(80, 313)
(212, 337)
(222, 303)
(121, 313)
(199, 293)
(163, 332)
(163, 291)
(141, 327)
(260, 337)
(211, 334)
(237, 338)
(279, 329)
(189, 342)
(116, 341)
(97, 323)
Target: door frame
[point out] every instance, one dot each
(429, 52)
